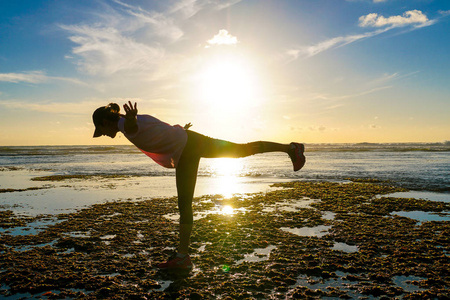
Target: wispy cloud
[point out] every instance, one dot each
(130, 38)
(35, 77)
(363, 93)
(28, 77)
(414, 18)
(383, 82)
(105, 50)
(308, 51)
(81, 108)
(189, 8)
(391, 77)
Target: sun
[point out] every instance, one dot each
(228, 84)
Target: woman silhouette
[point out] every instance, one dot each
(180, 148)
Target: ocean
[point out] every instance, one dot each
(416, 166)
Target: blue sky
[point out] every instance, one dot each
(312, 71)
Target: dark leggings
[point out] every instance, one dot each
(199, 146)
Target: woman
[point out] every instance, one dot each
(179, 148)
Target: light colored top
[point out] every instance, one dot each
(160, 141)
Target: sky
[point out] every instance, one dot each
(323, 71)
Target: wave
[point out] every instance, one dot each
(65, 150)
(126, 149)
(384, 147)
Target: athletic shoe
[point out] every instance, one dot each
(297, 156)
(177, 263)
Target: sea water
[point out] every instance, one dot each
(424, 167)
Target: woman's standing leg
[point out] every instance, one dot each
(186, 178)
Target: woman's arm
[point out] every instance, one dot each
(130, 117)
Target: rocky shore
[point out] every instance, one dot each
(257, 248)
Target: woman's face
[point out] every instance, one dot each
(109, 128)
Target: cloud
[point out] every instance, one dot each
(413, 18)
(189, 8)
(410, 17)
(28, 77)
(320, 128)
(309, 51)
(391, 77)
(129, 38)
(34, 77)
(223, 38)
(83, 107)
(153, 23)
(105, 50)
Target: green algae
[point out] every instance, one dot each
(119, 244)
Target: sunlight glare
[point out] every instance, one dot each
(227, 166)
(228, 84)
(227, 210)
(227, 172)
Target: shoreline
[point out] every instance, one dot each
(110, 249)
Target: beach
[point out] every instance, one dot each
(361, 221)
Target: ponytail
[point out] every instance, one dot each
(112, 112)
(114, 108)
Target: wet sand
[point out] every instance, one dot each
(303, 240)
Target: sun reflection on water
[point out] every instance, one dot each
(227, 172)
(227, 210)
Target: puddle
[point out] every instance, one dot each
(203, 246)
(340, 282)
(433, 196)
(317, 231)
(405, 283)
(78, 234)
(225, 210)
(328, 215)
(422, 216)
(344, 247)
(292, 205)
(313, 283)
(109, 275)
(260, 254)
(109, 217)
(31, 228)
(30, 247)
(164, 285)
(108, 237)
(40, 295)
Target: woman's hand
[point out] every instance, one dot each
(130, 117)
(131, 112)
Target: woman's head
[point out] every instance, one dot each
(105, 120)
